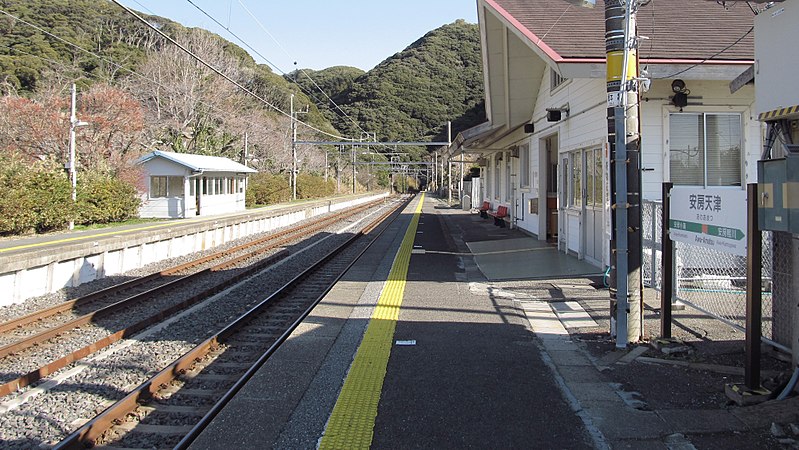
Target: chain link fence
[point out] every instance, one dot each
(715, 282)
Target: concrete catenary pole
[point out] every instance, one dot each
(293, 150)
(74, 123)
(72, 177)
(626, 288)
(449, 165)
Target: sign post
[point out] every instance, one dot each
(713, 218)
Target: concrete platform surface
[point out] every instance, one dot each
(474, 362)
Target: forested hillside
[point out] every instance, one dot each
(334, 81)
(45, 44)
(139, 92)
(411, 95)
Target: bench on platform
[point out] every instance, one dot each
(499, 216)
(485, 209)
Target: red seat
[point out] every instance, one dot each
(499, 216)
(484, 209)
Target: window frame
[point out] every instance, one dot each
(508, 178)
(703, 141)
(497, 177)
(575, 198)
(158, 186)
(524, 166)
(556, 80)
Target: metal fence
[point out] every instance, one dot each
(714, 282)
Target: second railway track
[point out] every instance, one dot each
(40, 343)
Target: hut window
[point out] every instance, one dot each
(174, 187)
(157, 187)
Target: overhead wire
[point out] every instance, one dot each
(709, 57)
(263, 28)
(223, 75)
(243, 42)
(227, 28)
(246, 44)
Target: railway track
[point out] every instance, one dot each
(173, 406)
(39, 342)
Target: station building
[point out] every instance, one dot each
(181, 185)
(543, 151)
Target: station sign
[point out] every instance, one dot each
(713, 218)
(616, 98)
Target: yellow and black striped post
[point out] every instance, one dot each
(626, 288)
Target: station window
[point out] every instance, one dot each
(593, 178)
(555, 80)
(508, 185)
(705, 149)
(576, 185)
(497, 185)
(524, 165)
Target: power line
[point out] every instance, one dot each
(710, 57)
(301, 70)
(273, 64)
(222, 74)
(227, 28)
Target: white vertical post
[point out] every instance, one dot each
(73, 179)
(293, 150)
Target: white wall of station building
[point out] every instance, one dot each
(585, 231)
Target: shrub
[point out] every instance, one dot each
(267, 189)
(314, 186)
(103, 198)
(52, 197)
(32, 198)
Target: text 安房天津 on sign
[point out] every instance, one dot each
(709, 217)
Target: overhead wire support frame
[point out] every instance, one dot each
(364, 143)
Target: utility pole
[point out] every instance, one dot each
(73, 175)
(626, 288)
(338, 169)
(293, 150)
(449, 164)
(245, 155)
(354, 189)
(434, 186)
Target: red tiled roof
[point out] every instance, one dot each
(678, 29)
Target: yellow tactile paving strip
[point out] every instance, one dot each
(352, 422)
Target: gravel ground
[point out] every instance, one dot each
(107, 377)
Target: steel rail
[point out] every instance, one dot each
(39, 373)
(90, 432)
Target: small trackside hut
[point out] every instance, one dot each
(180, 185)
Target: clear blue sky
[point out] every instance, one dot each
(317, 33)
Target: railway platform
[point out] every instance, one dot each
(37, 265)
(453, 333)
